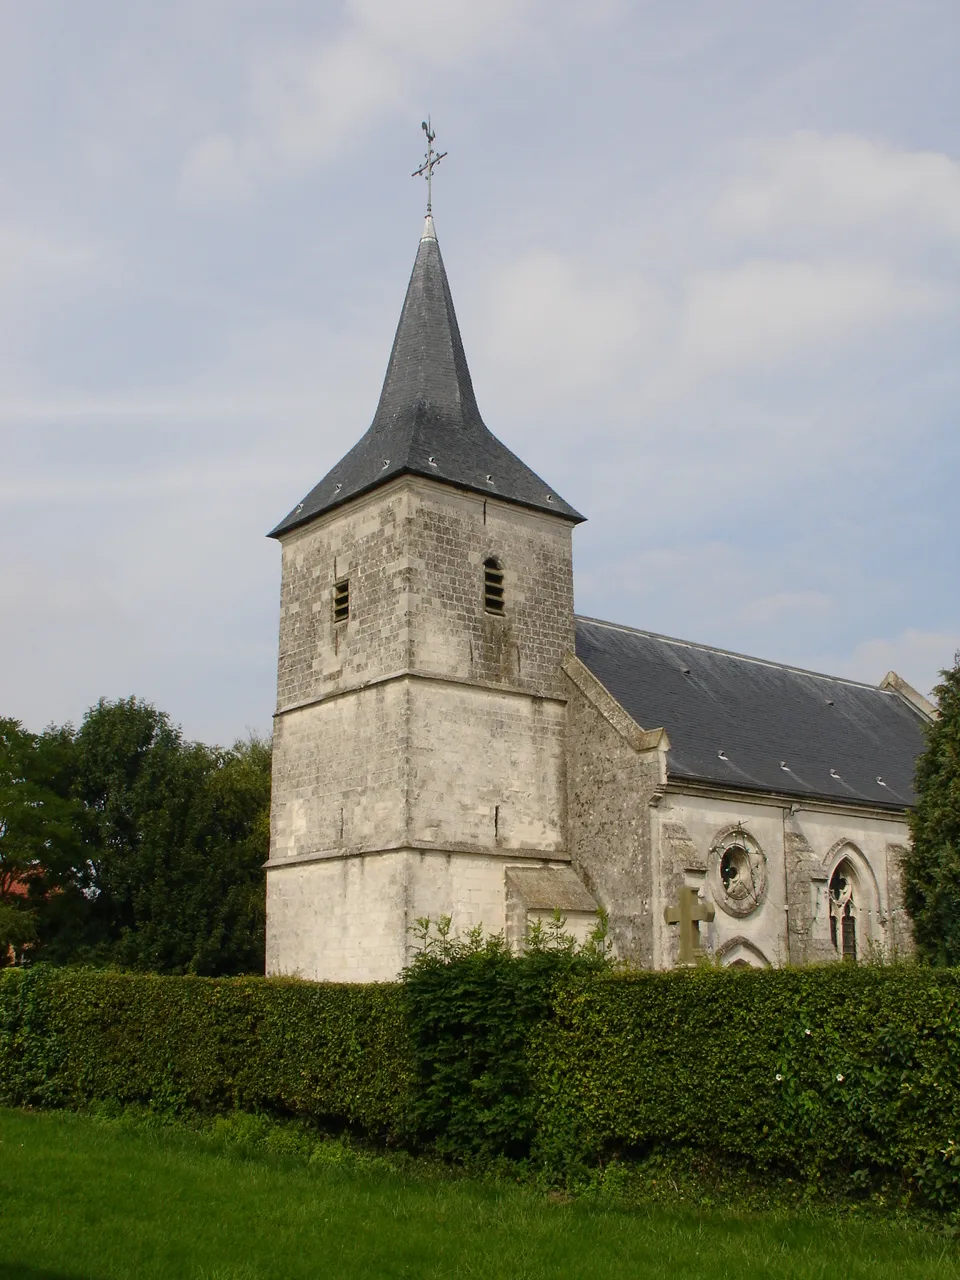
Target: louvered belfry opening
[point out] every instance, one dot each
(492, 586)
(341, 600)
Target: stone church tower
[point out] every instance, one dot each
(451, 740)
(426, 613)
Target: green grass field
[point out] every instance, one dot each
(85, 1199)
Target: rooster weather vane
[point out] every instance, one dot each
(429, 164)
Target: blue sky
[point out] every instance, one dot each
(706, 260)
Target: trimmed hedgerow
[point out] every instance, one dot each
(839, 1074)
(333, 1054)
(834, 1071)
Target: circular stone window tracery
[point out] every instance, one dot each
(740, 872)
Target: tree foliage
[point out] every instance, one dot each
(40, 821)
(136, 847)
(473, 1006)
(18, 926)
(932, 868)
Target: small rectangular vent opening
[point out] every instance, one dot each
(341, 600)
(492, 587)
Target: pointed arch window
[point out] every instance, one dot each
(493, 596)
(844, 906)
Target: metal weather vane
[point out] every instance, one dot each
(429, 164)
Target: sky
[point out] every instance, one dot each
(705, 258)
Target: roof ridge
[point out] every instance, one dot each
(733, 653)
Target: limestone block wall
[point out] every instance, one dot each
(691, 832)
(451, 535)
(340, 773)
(873, 844)
(365, 542)
(614, 774)
(351, 919)
(472, 890)
(420, 728)
(801, 846)
(486, 769)
(413, 552)
(339, 919)
(468, 888)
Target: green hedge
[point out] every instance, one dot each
(333, 1054)
(834, 1072)
(824, 1071)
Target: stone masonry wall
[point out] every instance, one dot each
(801, 849)
(420, 721)
(338, 920)
(340, 773)
(611, 785)
(366, 543)
(350, 919)
(451, 535)
(413, 553)
(486, 769)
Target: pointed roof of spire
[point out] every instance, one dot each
(427, 422)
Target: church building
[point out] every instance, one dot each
(451, 739)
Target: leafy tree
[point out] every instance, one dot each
(932, 868)
(40, 823)
(18, 927)
(474, 1007)
(169, 877)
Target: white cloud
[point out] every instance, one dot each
(216, 169)
(557, 327)
(765, 312)
(812, 278)
(146, 408)
(917, 656)
(29, 255)
(444, 30)
(723, 584)
(781, 606)
(309, 103)
(32, 595)
(840, 183)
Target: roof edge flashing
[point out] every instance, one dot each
(288, 524)
(615, 714)
(892, 683)
(790, 801)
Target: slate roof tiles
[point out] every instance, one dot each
(749, 724)
(427, 422)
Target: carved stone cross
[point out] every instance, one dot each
(688, 913)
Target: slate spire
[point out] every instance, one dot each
(427, 422)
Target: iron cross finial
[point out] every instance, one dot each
(430, 163)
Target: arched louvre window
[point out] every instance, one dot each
(341, 600)
(493, 599)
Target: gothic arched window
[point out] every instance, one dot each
(844, 906)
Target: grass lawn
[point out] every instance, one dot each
(84, 1199)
